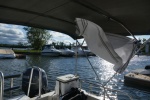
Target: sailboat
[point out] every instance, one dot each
(99, 22)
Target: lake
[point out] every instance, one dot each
(56, 66)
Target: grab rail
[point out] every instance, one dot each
(12, 87)
(40, 81)
(2, 85)
(30, 81)
(12, 76)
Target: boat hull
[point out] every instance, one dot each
(67, 54)
(137, 81)
(52, 54)
(7, 56)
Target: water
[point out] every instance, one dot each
(56, 66)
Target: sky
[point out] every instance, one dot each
(13, 34)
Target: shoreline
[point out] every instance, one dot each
(28, 52)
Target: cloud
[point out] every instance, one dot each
(61, 37)
(12, 34)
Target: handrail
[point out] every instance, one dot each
(2, 85)
(30, 82)
(40, 81)
(12, 88)
(12, 76)
(11, 82)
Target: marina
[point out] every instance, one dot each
(108, 29)
(55, 67)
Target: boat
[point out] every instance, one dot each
(7, 53)
(49, 50)
(114, 17)
(67, 52)
(80, 52)
(139, 78)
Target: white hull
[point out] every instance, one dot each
(50, 51)
(52, 54)
(81, 52)
(7, 53)
(67, 53)
(7, 56)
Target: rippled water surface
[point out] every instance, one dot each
(56, 66)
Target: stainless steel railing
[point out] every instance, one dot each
(30, 81)
(40, 81)
(18, 75)
(12, 87)
(11, 83)
(2, 85)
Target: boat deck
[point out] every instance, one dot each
(138, 81)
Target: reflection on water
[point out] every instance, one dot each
(56, 66)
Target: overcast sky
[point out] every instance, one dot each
(13, 34)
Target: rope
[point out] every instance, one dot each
(103, 85)
(122, 66)
(93, 70)
(76, 56)
(90, 63)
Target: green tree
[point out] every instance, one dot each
(37, 37)
(20, 44)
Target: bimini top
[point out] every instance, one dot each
(59, 15)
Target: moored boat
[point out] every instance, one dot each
(139, 78)
(81, 52)
(138, 81)
(116, 16)
(67, 52)
(7, 53)
(49, 50)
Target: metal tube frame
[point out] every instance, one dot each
(11, 85)
(105, 14)
(30, 81)
(40, 81)
(2, 85)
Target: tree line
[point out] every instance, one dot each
(39, 37)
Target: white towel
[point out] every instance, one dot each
(115, 49)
